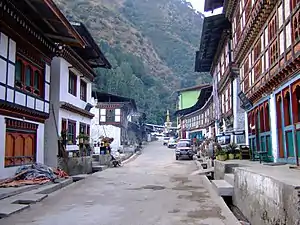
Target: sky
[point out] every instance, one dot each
(199, 6)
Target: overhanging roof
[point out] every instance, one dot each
(204, 95)
(197, 87)
(47, 18)
(92, 54)
(212, 30)
(211, 5)
(106, 97)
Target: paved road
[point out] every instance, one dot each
(154, 189)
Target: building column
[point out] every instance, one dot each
(273, 121)
(246, 128)
(209, 132)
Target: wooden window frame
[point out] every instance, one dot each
(72, 123)
(294, 4)
(82, 125)
(83, 90)
(34, 87)
(72, 89)
(296, 27)
(15, 127)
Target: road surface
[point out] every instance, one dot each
(154, 189)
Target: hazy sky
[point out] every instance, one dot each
(199, 5)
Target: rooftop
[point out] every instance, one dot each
(92, 54)
(212, 31)
(211, 5)
(204, 95)
(49, 20)
(106, 97)
(197, 87)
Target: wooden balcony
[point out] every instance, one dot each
(259, 15)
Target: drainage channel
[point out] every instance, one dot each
(235, 210)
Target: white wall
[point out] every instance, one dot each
(64, 95)
(6, 172)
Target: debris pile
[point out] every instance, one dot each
(36, 173)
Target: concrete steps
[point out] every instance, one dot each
(21, 198)
(222, 187)
(229, 178)
(97, 167)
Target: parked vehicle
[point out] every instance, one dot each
(171, 143)
(184, 148)
(166, 140)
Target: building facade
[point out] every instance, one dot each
(113, 119)
(71, 96)
(25, 58)
(187, 99)
(265, 43)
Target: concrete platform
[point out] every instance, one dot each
(222, 187)
(229, 178)
(79, 177)
(11, 191)
(48, 189)
(98, 168)
(9, 209)
(205, 171)
(27, 198)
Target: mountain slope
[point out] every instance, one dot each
(150, 43)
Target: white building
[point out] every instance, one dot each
(112, 117)
(70, 99)
(25, 57)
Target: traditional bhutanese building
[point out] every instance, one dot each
(29, 33)
(194, 120)
(215, 56)
(113, 118)
(72, 74)
(266, 49)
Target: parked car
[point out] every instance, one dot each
(171, 143)
(166, 140)
(184, 148)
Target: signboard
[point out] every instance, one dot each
(223, 139)
(246, 104)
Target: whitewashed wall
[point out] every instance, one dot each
(6, 172)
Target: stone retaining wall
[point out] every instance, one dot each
(76, 165)
(263, 200)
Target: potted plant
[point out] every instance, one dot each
(222, 155)
(231, 149)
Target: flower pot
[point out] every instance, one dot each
(231, 156)
(222, 157)
(217, 157)
(237, 156)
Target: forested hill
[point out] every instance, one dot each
(151, 45)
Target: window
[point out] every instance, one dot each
(257, 69)
(110, 115)
(295, 3)
(287, 109)
(83, 91)
(71, 132)
(296, 27)
(72, 83)
(28, 77)
(273, 52)
(20, 143)
(248, 8)
(257, 50)
(88, 132)
(272, 28)
(82, 128)
(102, 115)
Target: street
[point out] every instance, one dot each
(154, 189)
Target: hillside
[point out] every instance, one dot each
(151, 45)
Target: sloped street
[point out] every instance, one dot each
(154, 189)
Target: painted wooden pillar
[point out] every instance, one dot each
(274, 132)
(246, 128)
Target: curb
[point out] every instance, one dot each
(131, 158)
(230, 217)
